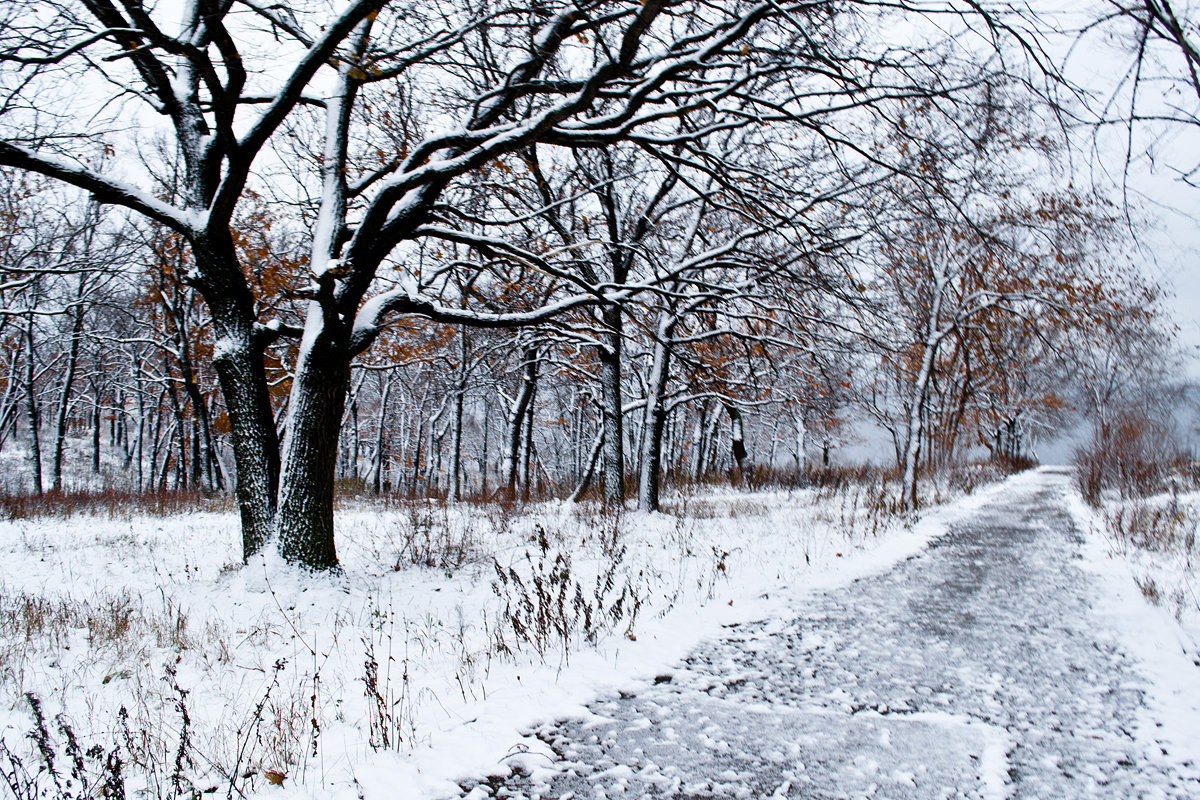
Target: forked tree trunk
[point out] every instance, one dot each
(238, 361)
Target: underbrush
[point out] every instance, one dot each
(111, 503)
(1157, 536)
(1145, 491)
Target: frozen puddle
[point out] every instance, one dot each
(977, 669)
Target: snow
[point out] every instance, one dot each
(456, 702)
(979, 668)
(420, 599)
(1167, 641)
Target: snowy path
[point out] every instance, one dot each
(976, 669)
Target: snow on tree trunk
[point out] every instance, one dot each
(320, 388)
(613, 455)
(800, 455)
(649, 479)
(35, 445)
(64, 400)
(380, 460)
(242, 377)
(737, 438)
(517, 417)
(915, 428)
(460, 391)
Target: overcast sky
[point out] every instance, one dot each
(1155, 182)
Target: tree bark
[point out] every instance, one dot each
(64, 398)
(384, 395)
(460, 391)
(32, 415)
(238, 361)
(517, 416)
(320, 388)
(737, 440)
(649, 479)
(612, 470)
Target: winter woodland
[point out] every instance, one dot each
(290, 262)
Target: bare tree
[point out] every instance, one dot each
(414, 101)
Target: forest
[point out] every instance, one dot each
(594, 249)
(392, 390)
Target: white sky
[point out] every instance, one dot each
(1170, 246)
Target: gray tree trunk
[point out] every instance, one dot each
(612, 471)
(456, 442)
(64, 397)
(517, 416)
(32, 415)
(649, 480)
(384, 395)
(238, 361)
(320, 389)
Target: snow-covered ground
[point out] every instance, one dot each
(1155, 538)
(1143, 553)
(1010, 658)
(450, 631)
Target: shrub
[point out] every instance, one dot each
(1133, 453)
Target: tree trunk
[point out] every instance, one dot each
(527, 456)
(32, 415)
(737, 440)
(10, 405)
(916, 421)
(211, 470)
(238, 360)
(483, 458)
(612, 470)
(310, 450)
(180, 429)
(97, 422)
(384, 394)
(698, 443)
(64, 398)
(459, 397)
(649, 479)
(801, 454)
(586, 480)
(517, 415)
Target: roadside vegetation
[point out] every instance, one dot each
(1145, 487)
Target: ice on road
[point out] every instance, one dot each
(977, 669)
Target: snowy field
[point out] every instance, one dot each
(451, 630)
